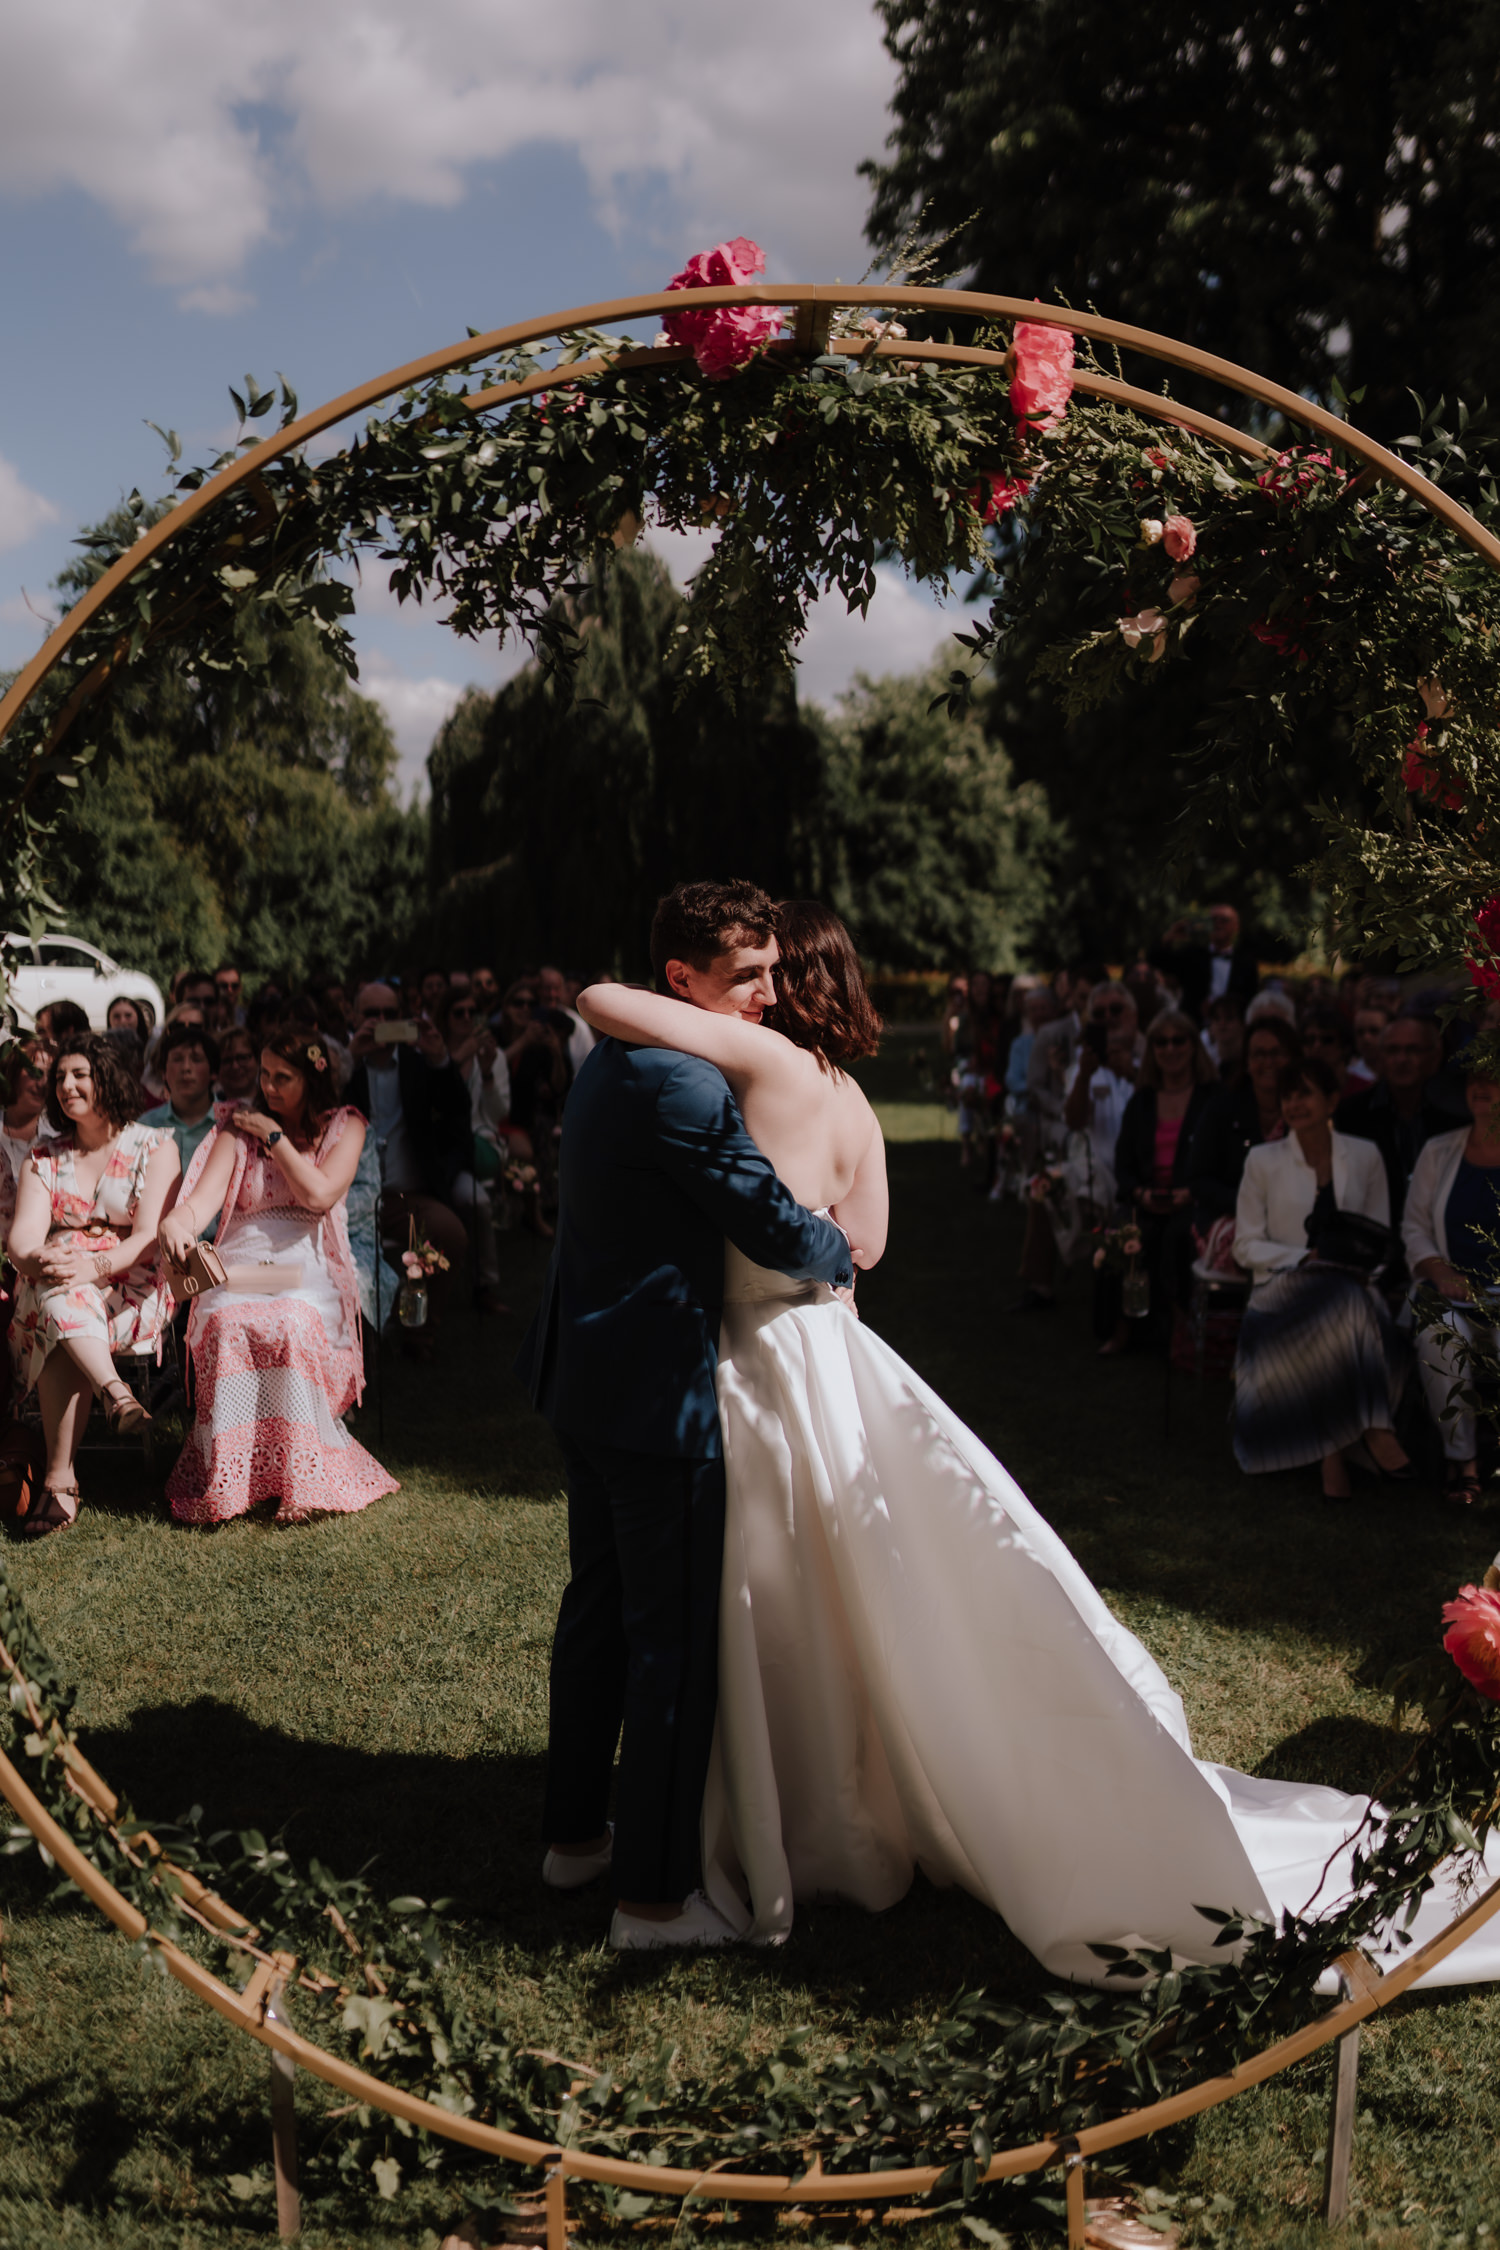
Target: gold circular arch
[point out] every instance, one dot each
(813, 305)
(252, 2009)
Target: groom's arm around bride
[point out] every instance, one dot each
(656, 1171)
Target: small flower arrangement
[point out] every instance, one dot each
(522, 1179)
(1117, 1247)
(729, 337)
(1046, 1186)
(421, 1259)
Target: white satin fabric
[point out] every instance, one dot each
(914, 1672)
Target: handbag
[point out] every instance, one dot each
(201, 1269)
(1349, 1239)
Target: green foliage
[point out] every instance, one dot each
(928, 848)
(250, 817)
(1307, 191)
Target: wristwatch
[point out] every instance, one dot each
(273, 1138)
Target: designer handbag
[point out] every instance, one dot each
(201, 1269)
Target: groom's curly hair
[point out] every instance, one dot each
(822, 1002)
(699, 921)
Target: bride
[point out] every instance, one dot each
(914, 1671)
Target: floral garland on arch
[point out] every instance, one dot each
(374, 1981)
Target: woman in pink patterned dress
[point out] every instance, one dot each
(275, 1367)
(83, 1242)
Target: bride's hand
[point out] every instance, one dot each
(846, 1297)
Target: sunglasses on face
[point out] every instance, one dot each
(382, 1015)
(1171, 1039)
(462, 1008)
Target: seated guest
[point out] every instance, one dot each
(275, 1348)
(1237, 1120)
(1369, 1028)
(229, 985)
(1325, 1034)
(152, 1081)
(1037, 1007)
(1450, 1231)
(1224, 1038)
(1153, 1161)
(1098, 1092)
(62, 1020)
(1317, 1369)
(418, 1108)
(83, 1242)
(537, 1061)
(432, 984)
(485, 986)
(1054, 1052)
(189, 1058)
(24, 1122)
(239, 1067)
(552, 991)
(1205, 972)
(134, 1016)
(1399, 1113)
(1147, 991)
(476, 1055)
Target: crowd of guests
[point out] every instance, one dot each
(260, 1175)
(1313, 1157)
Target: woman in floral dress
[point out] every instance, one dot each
(275, 1351)
(83, 1244)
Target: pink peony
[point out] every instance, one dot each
(1003, 494)
(1473, 1638)
(1041, 375)
(1147, 625)
(1485, 975)
(1179, 537)
(728, 337)
(1423, 780)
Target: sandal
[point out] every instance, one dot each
(51, 1515)
(123, 1411)
(1461, 1487)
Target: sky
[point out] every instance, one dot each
(193, 192)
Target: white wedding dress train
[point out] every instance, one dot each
(914, 1672)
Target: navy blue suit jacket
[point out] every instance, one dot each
(656, 1170)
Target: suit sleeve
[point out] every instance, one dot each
(1128, 1175)
(704, 1147)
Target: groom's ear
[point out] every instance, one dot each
(675, 975)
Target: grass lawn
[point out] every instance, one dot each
(375, 1688)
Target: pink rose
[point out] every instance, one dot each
(1183, 592)
(1147, 625)
(1041, 375)
(1473, 1638)
(1179, 537)
(995, 496)
(1297, 472)
(725, 339)
(1423, 780)
(1485, 975)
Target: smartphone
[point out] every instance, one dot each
(400, 1034)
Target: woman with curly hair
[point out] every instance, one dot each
(275, 1348)
(83, 1243)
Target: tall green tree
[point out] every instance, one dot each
(930, 849)
(556, 826)
(259, 823)
(1311, 187)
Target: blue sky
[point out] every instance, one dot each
(192, 192)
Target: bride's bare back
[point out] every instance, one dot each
(813, 1123)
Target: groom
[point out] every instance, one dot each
(656, 1170)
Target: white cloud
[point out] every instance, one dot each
(22, 511)
(198, 127)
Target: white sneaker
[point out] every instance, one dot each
(569, 1871)
(699, 1923)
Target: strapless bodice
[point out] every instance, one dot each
(748, 1284)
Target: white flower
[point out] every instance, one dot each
(1152, 528)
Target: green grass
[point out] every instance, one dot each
(375, 1688)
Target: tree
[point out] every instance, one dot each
(929, 850)
(557, 824)
(257, 821)
(1311, 187)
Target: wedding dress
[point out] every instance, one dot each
(914, 1672)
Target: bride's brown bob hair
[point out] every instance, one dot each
(821, 1000)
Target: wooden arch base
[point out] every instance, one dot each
(258, 2009)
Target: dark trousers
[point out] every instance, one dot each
(637, 1648)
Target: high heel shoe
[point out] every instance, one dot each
(123, 1411)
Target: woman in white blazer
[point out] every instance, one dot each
(1318, 1364)
(1449, 1231)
